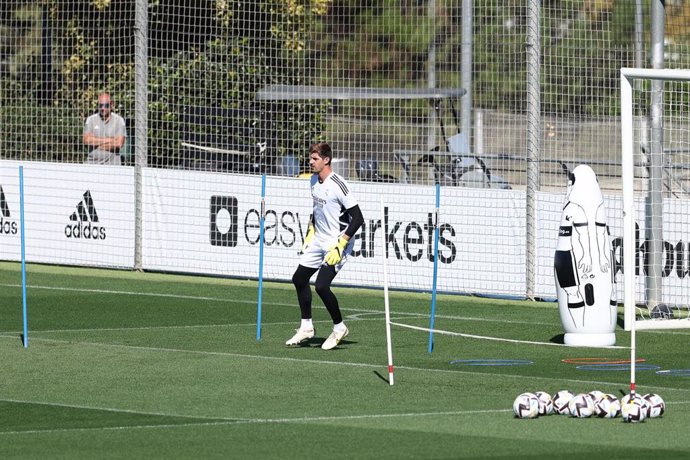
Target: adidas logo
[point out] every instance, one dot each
(7, 225)
(84, 219)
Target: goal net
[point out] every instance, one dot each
(655, 129)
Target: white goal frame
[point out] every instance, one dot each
(628, 75)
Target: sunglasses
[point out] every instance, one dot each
(104, 106)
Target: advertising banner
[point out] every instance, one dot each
(209, 224)
(203, 223)
(74, 214)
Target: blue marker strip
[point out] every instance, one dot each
(433, 289)
(25, 316)
(675, 372)
(616, 367)
(261, 257)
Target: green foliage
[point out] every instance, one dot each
(221, 79)
(217, 60)
(580, 77)
(215, 55)
(376, 44)
(581, 55)
(623, 22)
(500, 71)
(382, 42)
(33, 131)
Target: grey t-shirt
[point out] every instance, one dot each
(115, 126)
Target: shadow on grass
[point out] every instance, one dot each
(379, 375)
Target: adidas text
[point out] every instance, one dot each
(87, 231)
(8, 227)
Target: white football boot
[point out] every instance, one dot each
(301, 335)
(334, 339)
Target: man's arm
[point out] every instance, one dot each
(356, 221)
(104, 143)
(111, 144)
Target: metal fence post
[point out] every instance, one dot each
(533, 139)
(141, 70)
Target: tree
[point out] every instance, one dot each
(213, 85)
(211, 53)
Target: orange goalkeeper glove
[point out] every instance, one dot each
(335, 254)
(307, 240)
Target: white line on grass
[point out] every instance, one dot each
(225, 421)
(496, 339)
(221, 421)
(275, 304)
(133, 293)
(326, 362)
(119, 410)
(278, 304)
(188, 326)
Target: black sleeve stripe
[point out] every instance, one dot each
(340, 183)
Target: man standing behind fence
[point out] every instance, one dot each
(105, 133)
(327, 245)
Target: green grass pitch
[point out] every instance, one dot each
(143, 365)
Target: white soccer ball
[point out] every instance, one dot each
(581, 406)
(633, 409)
(607, 406)
(526, 405)
(545, 403)
(626, 399)
(643, 402)
(560, 402)
(656, 405)
(596, 395)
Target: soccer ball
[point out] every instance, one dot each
(596, 395)
(545, 403)
(626, 399)
(662, 311)
(634, 409)
(560, 402)
(643, 402)
(581, 406)
(526, 405)
(607, 406)
(656, 405)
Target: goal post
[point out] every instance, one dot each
(656, 198)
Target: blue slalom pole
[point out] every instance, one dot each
(433, 290)
(261, 256)
(25, 317)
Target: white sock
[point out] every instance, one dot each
(339, 327)
(306, 325)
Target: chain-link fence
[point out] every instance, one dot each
(505, 95)
(207, 60)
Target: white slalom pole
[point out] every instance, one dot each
(389, 343)
(633, 356)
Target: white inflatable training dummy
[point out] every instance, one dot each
(582, 265)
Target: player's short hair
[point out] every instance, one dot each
(323, 150)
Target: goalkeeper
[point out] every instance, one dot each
(327, 245)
